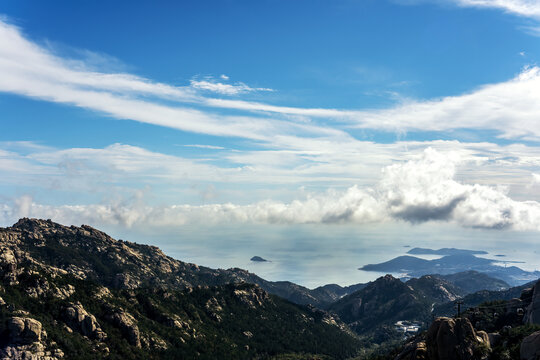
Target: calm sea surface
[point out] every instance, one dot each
(314, 255)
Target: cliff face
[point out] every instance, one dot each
(75, 292)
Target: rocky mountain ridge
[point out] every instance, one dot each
(74, 292)
(100, 288)
(91, 254)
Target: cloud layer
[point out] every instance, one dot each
(417, 191)
(289, 145)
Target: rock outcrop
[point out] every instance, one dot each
(24, 330)
(79, 320)
(415, 350)
(530, 347)
(455, 339)
(27, 341)
(532, 313)
(128, 325)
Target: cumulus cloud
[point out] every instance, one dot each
(117, 167)
(426, 189)
(417, 191)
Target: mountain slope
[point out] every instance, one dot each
(75, 292)
(388, 300)
(91, 254)
(382, 302)
(473, 281)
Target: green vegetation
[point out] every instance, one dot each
(242, 322)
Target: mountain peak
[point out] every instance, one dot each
(31, 223)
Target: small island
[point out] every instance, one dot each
(258, 259)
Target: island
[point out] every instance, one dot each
(258, 259)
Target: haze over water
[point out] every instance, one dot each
(308, 256)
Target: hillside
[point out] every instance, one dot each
(473, 281)
(382, 303)
(388, 300)
(74, 292)
(91, 254)
(493, 330)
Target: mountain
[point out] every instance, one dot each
(76, 293)
(472, 281)
(445, 251)
(412, 266)
(123, 264)
(387, 300)
(382, 302)
(335, 292)
(479, 297)
(495, 330)
(435, 289)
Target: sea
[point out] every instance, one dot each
(313, 255)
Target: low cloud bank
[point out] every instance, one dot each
(417, 191)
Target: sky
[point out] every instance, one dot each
(321, 135)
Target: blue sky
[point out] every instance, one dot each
(401, 116)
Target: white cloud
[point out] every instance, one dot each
(507, 108)
(527, 8)
(510, 108)
(313, 164)
(417, 191)
(222, 88)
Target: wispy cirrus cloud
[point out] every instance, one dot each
(212, 85)
(508, 108)
(526, 8)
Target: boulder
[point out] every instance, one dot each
(494, 338)
(532, 314)
(128, 325)
(126, 281)
(530, 347)
(415, 350)
(24, 330)
(455, 339)
(78, 319)
(8, 262)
